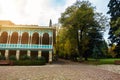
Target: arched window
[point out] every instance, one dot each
(35, 38)
(25, 37)
(14, 38)
(45, 39)
(4, 37)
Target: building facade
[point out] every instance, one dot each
(32, 40)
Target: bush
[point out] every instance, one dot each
(29, 62)
(2, 57)
(25, 57)
(42, 59)
(12, 57)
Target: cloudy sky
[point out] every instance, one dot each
(39, 12)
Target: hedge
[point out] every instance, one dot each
(29, 62)
(2, 57)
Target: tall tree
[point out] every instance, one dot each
(81, 19)
(114, 11)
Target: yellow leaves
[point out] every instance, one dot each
(111, 50)
(67, 47)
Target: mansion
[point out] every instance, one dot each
(31, 40)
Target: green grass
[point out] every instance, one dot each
(101, 61)
(107, 61)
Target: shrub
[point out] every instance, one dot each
(12, 57)
(42, 59)
(29, 62)
(2, 57)
(25, 57)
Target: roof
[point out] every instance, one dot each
(6, 22)
(9, 24)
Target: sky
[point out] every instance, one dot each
(39, 12)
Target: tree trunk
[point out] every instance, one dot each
(78, 44)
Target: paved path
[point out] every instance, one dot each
(112, 68)
(62, 71)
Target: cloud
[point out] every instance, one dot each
(33, 11)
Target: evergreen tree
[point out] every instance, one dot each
(114, 11)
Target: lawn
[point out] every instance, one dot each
(101, 61)
(108, 61)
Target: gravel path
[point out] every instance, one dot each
(57, 72)
(112, 68)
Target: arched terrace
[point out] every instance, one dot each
(3, 40)
(13, 40)
(45, 39)
(35, 40)
(4, 37)
(24, 40)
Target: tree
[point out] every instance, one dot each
(81, 20)
(111, 51)
(114, 11)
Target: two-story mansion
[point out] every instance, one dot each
(32, 40)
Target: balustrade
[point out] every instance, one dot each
(24, 46)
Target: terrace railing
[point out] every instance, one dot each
(25, 46)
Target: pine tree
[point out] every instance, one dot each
(114, 11)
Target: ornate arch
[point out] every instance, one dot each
(35, 38)
(45, 39)
(4, 37)
(25, 38)
(14, 38)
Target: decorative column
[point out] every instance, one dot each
(49, 39)
(28, 53)
(39, 39)
(39, 53)
(50, 56)
(10, 38)
(17, 54)
(29, 40)
(6, 54)
(19, 38)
